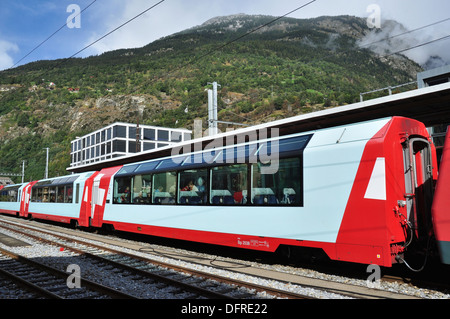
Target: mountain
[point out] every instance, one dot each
(286, 68)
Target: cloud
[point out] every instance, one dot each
(177, 15)
(420, 53)
(6, 48)
(145, 29)
(167, 18)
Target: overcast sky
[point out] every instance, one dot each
(26, 23)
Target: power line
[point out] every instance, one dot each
(246, 34)
(368, 45)
(407, 32)
(109, 33)
(392, 37)
(119, 27)
(220, 47)
(418, 46)
(51, 36)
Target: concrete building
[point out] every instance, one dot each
(430, 78)
(122, 139)
(5, 181)
(433, 77)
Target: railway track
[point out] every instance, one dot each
(137, 250)
(43, 281)
(188, 283)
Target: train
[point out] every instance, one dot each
(365, 193)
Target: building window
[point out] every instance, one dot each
(163, 135)
(132, 147)
(177, 137)
(119, 146)
(149, 146)
(149, 135)
(120, 131)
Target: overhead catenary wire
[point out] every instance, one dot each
(238, 38)
(419, 45)
(405, 33)
(390, 38)
(119, 27)
(220, 47)
(101, 38)
(363, 45)
(51, 36)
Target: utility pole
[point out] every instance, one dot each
(23, 171)
(212, 109)
(138, 137)
(210, 113)
(46, 164)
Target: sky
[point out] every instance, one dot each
(24, 24)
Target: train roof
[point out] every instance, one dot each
(428, 105)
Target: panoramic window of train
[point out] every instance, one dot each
(193, 187)
(281, 188)
(52, 194)
(45, 195)
(122, 190)
(36, 195)
(165, 186)
(142, 185)
(42, 194)
(13, 194)
(229, 185)
(68, 194)
(60, 196)
(9, 195)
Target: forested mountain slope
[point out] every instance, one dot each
(287, 68)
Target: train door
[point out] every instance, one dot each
(97, 198)
(25, 198)
(419, 185)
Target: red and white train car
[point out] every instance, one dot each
(360, 193)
